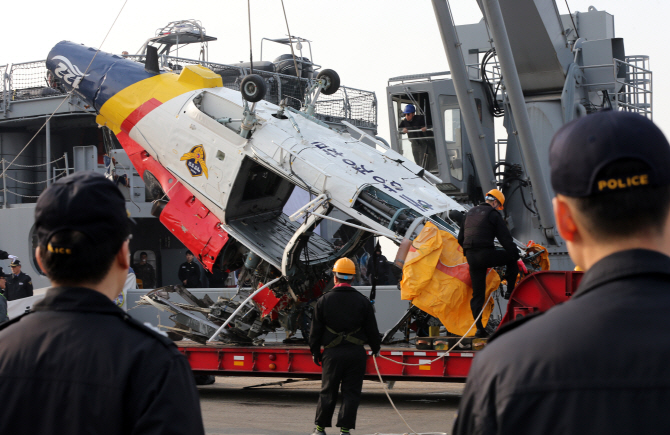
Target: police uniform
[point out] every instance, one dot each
(597, 363)
(147, 274)
(77, 363)
(481, 225)
(131, 380)
(343, 321)
(19, 286)
(191, 273)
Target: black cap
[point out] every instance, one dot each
(86, 202)
(2, 273)
(581, 151)
(15, 263)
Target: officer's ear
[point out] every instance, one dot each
(123, 256)
(38, 258)
(565, 219)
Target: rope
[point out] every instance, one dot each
(32, 182)
(18, 194)
(66, 96)
(374, 359)
(41, 164)
(452, 347)
(389, 396)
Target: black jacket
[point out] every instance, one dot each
(147, 274)
(596, 364)
(343, 309)
(79, 364)
(191, 273)
(417, 123)
(18, 287)
(481, 225)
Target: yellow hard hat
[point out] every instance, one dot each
(495, 193)
(344, 266)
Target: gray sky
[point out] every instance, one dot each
(365, 41)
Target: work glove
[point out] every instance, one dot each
(317, 358)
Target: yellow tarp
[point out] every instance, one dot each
(436, 278)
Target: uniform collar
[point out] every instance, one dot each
(622, 265)
(76, 299)
(342, 287)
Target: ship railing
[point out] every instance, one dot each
(31, 80)
(354, 105)
(634, 91)
(26, 182)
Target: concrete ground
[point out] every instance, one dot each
(228, 408)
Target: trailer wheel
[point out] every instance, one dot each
(253, 88)
(332, 81)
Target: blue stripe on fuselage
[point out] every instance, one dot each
(107, 75)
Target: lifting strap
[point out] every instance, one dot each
(343, 336)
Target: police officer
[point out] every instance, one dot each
(3, 298)
(598, 363)
(77, 363)
(481, 225)
(19, 285)
(145, 272)
(344, 320)
(189, 272)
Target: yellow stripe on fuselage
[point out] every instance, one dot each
(162, 87)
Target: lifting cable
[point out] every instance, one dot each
(251, 53)
(67, 96)
(290, 43)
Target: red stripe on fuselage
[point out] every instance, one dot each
(138, 114)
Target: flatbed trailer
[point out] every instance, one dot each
(537, 292)
(282, 360)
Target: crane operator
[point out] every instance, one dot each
(481, 225)
(415, 127)
(344, 320)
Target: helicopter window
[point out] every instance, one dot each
(452, 139)
(417, 142)
(219, 109)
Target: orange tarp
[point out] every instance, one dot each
(436, 278)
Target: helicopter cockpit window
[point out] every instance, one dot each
(415, 129)
(452, 140)
(219, 109)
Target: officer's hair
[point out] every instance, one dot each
(71, 258)
(625, 213)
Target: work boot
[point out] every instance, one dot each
(318, 431)
(481, 333)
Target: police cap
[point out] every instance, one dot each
(581, 151)
(85, 201)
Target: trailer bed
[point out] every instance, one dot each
(295, 360)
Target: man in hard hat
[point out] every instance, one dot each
(77, 363)
(481, 225)
(415, 127)
(597, 363)
(344, 320)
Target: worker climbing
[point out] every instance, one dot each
(481, 225)
(343, 322)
